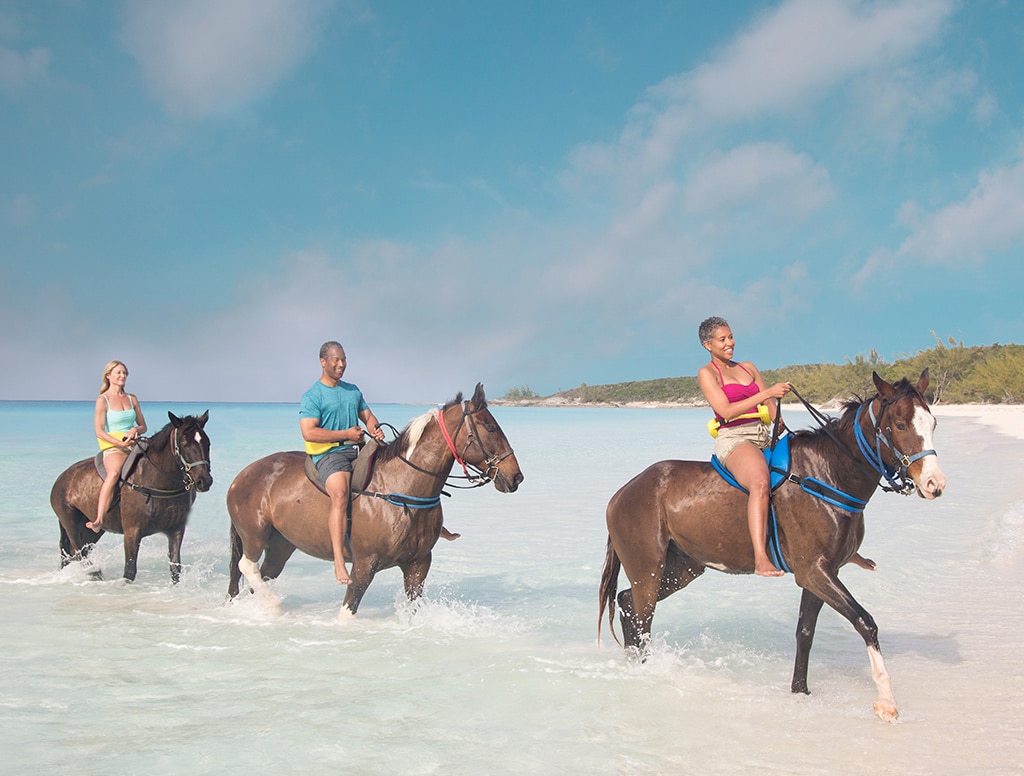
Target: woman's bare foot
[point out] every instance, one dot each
(446, 534)
(95, 526)
(341, 574)
(766, 569)
(864, 563)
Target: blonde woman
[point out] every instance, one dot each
(119, 423)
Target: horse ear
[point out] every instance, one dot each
(479, 400)
(175, 420)
(922, 382)
(885, 390)
(201, 420)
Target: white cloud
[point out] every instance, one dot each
(989, 219)
(758, 173)
(203, 57)
(788, 59)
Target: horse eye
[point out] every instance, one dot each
(901, 425)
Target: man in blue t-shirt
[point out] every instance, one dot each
(329, 417)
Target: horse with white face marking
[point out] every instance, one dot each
(676, 518)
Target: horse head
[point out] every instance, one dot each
(192, 449)
(486, 447)
(904, 430)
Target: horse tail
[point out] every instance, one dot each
(606, 595)
(234, 572)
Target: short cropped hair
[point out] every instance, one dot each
(326, 347)
(708, 326)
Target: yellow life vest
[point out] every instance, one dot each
(761, 413)
(319, 448)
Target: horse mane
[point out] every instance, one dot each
(406, 441)
(162, 438)
(848, 418)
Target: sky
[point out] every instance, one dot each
(529, 195)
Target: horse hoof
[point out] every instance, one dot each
(345, 614)
(886, 711)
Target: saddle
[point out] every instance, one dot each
(134, 454)
(778, 460)
(362, 468)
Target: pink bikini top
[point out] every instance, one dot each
(735, 392)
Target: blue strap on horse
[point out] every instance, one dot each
(773, 544)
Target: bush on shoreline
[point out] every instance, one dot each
(992, 374)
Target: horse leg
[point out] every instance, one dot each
(132, 542)
(834, 593)
(677, 571)
(810, 607)
(277, 553)
(415, 574)
(362, 574)
(174, 554)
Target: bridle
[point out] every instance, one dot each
(897, 476)
(187, 483)
(490, 463)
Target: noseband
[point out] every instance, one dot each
(490, 463)
(898, 478)
(187, 482)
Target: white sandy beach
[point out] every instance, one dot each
(1006, 418)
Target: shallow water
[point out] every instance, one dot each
(499, 671)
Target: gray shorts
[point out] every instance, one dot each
(730, 438)
(336, 461)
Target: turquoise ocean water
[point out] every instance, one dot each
(500, 670)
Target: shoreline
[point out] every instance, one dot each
(1004, 418)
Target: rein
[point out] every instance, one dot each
(899, 479)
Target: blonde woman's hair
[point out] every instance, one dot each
(105, 384)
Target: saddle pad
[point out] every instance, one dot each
(129, 462)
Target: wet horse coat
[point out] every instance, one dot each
(677, 518)
(276, 510)
(157, 497)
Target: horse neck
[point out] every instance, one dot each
(433, 456)
(163, 456)
(860, 477)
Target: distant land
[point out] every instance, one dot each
(984, 374)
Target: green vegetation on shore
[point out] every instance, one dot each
(991, 374)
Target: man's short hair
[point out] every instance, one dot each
(326, 348)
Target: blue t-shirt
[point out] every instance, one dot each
(337, 408)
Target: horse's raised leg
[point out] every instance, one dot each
(174, 554)
(829, 589)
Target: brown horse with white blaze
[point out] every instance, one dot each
(677, 518)
(157, 497)
(394, 521)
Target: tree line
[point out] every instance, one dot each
(986, 374)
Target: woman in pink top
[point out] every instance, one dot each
(733, 388)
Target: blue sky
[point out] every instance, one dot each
(530, 193)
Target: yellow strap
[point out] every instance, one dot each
(319, 448)
(104, 444)
(761, 413)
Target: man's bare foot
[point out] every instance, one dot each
(766, 569)
(446, 534)
(95, 526)
(864, 563)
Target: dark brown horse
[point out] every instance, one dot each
(676, 518)
(396, 521)
(156, 498)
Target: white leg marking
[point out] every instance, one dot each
(251, 571)
(885, 703)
